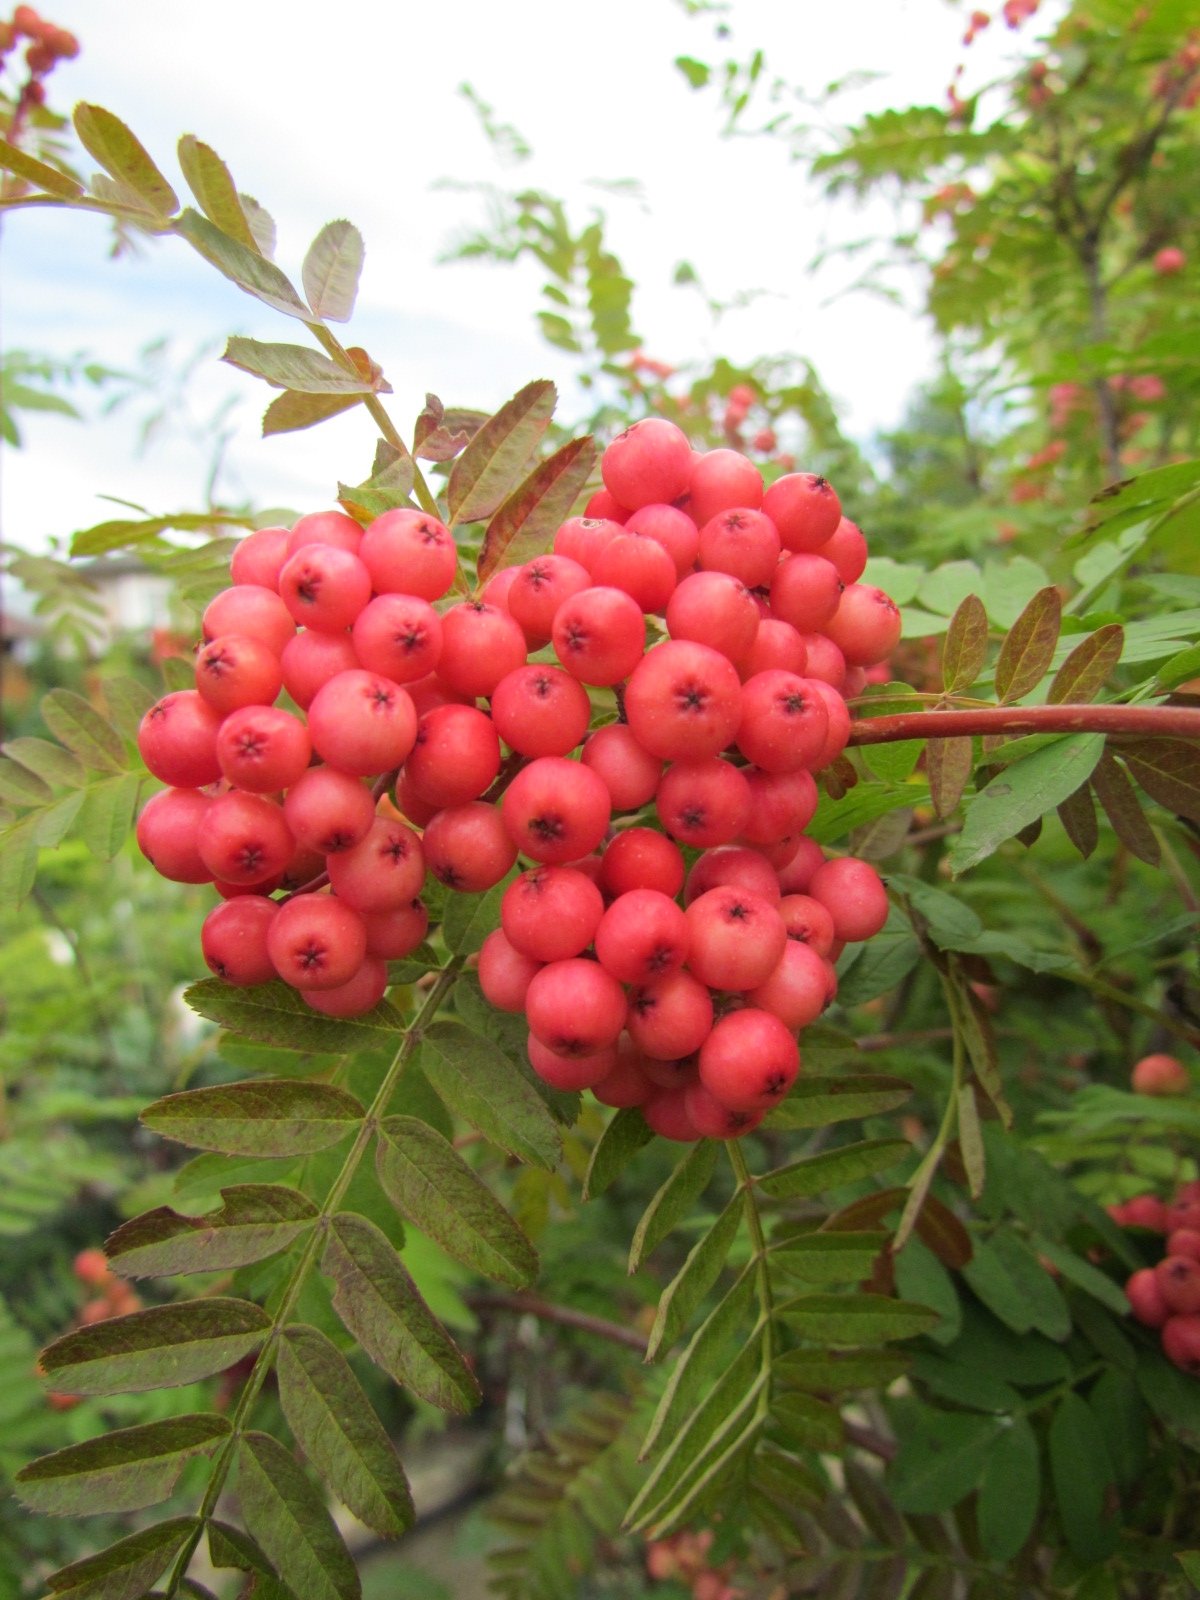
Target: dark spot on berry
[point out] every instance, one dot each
(251, 745)
(792, 705)
(692, 817)
(547, 827)
(335, 841)
(310, 956)
(250, 857)
(380, 698)
(776, 1083)
(575, 636)
(660, 958)
(542, 686)
(738, 912)
(692, 696)
(308, 589)
(395, 849)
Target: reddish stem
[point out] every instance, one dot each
(1177, 722)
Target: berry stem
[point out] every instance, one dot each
(1178, 722)
(306, 1261)
(533, 1305)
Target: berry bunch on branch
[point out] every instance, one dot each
(667, 679)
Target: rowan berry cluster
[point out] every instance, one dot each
(48, 44)
(1167, 1296)
(674, 987)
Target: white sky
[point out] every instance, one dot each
(352, 110)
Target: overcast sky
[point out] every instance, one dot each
(354, 110)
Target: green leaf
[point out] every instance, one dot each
(696, 72)
(991, 1282)
(388, 487)
(124, 532)
(525, 523)
(1189, 1560)
(432, 1187)
(816, 1102)
(703, 1361)
(1168, 770)
(255, 1220)
(216, 193)
(970, 1140)
(120, 1471)
(1029, 645)
(269, 1117)
(160, 1348)
(1083, 1275)
(126, 1570)
(802, 1422)
(941, 1460)
(49, 762)
(470, 918)
(289, 1520)
(673, 1200)
(108, 141)
(294, 367)
(52, 824)
(701, 1269)
(22, 787)
(1081, 1474)
(274, 1013)
(877, 967)
(338, 1431)
(380, 1306)
(969, 1386)
(1077, 813)
(965, 649)
(47, 178)
(241, 264)
(231, 1547)
(1045, 1306)
(478, 1082)
(841, 1257)
(78, 725)
(831, 1168)
(1020, 794)
(839, 1371)
(332, 269)
(1086, 670)
(18, 860)
(106, 816)
(979, 1040)
(624, 1135)
(492, 464)
(701, 1437)
(855, 1319)
(291, 411)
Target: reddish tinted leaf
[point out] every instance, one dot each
(254, 1221)
(1029, 647)
(980, 1045)
(291, 411)
(1169, 771)
(965, 649)
(331, 270)
(126, 1570)
(948, 766)
(527, 519)
(209, 180)
(1085, 671)
(944, 1234)
(108, 141)
(488, 469)
(1077, 813)
(1124, 810)
(867, 1213)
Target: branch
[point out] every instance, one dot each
(1174, 722)
(547, 1311)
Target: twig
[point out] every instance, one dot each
(1174, 722)
(533, 1305)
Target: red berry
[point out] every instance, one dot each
(805, 509)
(866, 625)
(784, 723)
(670, 1018)
(570, 1071)
(177, 739)
(333, 528)
(383, 872)
(630, 773)
(642, 936)
(234, 939)
(168, 834)
(853, 894)
(324, 587)
(732, 864)
(575, 1007)
(599, 635)
(263, 748)
(91, 1268)
(641, 858)
(1160, 1075)
(703, 803)
(720, 480)
(328, 810)
(666, 1113)
(556, 810)
(1179, 1279)
(749, 1061)
(714, 1120)
(714, 609)
(236, 671)
(310, 659)
(409, 552)
(480, 644)
(362, 723)
(394, 934)
(360, 993)
(847, 549)
(551, 913)
(799, 988)
(399, 636)
(1146, 1299)
(317, 942)
(256, 612)
(538, 590)
(456, 756)
(259, 557)
(743, 543)
(639, 566)
(624, 1084)
(683, 701)
(504, 973)
(806, 591)
(541, 711)
(468, 848)
(1181, 1342)
(673, 529)
(737, 938)
(650, 463)
(244, 839)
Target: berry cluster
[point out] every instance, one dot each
(689, 1009)
(48, 45)
(1167, 1296)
